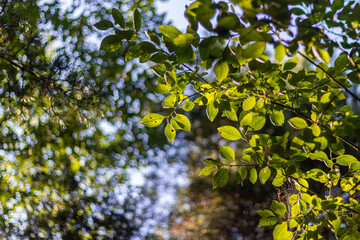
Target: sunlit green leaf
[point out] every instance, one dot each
(249, 103)
(298, 123)
(221, 70)
(152, 120)
(169, 31)
(184, 40)
(227, 153)
(253, 176)
(188, 106)
(278, 207)
(170, 132)
(180, 121)
(264, 174)
(206, 171)
(229, 132)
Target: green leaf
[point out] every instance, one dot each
(184, 54)
(297, 123)
(264, 174)
(280, 52)
(254, 50)
(161, 88)
(180, 121)
(211, 161)
(229, 132)
(281, 232)
(277, 118)
(170, 132)
(169, 31)
(118, 17)
(184, 40)
(188, 106)
(220, 178)
(268, 218)
(346, 160)
(249, 103)
(206, 171)
(232, 114)
(279, 179)
(227, 153)
(278, 208)
(169, 101)
(137, 20)
(316, 130)
(240, 175)
(221, 70)
(104, 25)
(253, 176)
(111, 43)
(247, 119)
(257, 123)
(212, 111)
(152, 120)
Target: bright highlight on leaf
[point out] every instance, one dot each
(169, 31)
(229, 132)
(298, 123)
(221, 70)
(152, 120)
(249, 103)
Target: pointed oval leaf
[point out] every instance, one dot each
(221, 178)
(212, 111)
(137, 20)
(152, 120)
(254, 50)
(104, 25)
(111, 43)
(206, 171)
(257, 123)
(229, 132)
(118, 17)
(253, 176)
(221, 70)
(184, 40)
(188, 106)
(277, 118)
(264, 174)
(169, 101)
(298, 123)
(240, 175)
(249, 103)
(180, 121)
(278, 208)
(227, 153)
(280, 52)
(170, 132)
(169, 31)
(161, 88)
(346, 160)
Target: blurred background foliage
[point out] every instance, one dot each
(71, 142)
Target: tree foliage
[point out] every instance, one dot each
(61, 173)
(295, 121)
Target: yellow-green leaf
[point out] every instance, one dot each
(169, 31)
(212, 111)
(180, 121)
(161, 88)
(264, 174)
(227, 153)
(206, 171)
(253, 176)
(277, 118)
(280, 52)
(229, 132)
(221, 70)
(278, 208)
(188, 106)
(152, 120)
(297, 123)
(170, 132)
(249, 103)
(184, 40)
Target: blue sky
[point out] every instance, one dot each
(175, 11)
